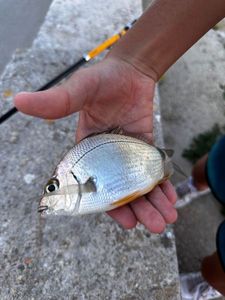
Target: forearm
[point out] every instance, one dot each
(165, 32)
(213, 272)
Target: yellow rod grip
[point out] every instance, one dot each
(105, 45)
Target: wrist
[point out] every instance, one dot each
(136, 62)
(131, 67)
(165, 32)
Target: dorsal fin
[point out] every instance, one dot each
(140, 137)
(116, 130)
(120, 131)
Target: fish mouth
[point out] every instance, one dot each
(42, 208)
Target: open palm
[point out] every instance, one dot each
(108, 95)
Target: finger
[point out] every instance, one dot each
(124, 216)
(169, 191)
(158, 199)
(59, 101)
(148, 215)
(141, 129)
(87, 127)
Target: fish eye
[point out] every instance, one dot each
(52, 185)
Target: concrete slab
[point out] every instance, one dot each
(88, 257)
(20, 21)
(192, 102)
(191, 94)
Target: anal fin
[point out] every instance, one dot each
(133, 196)
(127, 199)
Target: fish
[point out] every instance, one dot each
(103, 172)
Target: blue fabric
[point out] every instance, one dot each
(220, 243)
(215, 170)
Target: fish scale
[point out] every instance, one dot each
(116, 179)
(120, 169)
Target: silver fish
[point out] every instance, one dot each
(103, 172)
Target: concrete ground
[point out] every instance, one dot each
(192, 101)
(19, 23)
(87, 257)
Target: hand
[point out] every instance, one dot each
(110, 94)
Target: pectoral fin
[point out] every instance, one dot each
(89, 186)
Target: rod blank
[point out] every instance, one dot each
(90, 55)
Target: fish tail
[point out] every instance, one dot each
(178, 170)
(168, 168)
(166, 155)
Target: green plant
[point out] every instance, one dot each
(202, 143)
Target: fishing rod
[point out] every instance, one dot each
(85, 58)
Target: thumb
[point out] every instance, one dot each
(59, 101)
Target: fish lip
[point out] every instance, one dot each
(43, 208)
